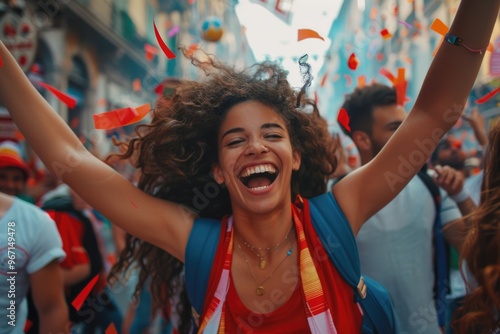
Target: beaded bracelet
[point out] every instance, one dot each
(458, 41)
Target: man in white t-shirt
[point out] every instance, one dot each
(29, 257)
(396, 244)
(30, 251)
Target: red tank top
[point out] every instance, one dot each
(291, 317)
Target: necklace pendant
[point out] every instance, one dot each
(259, 291)
(262, 264)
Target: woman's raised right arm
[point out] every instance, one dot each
(164, 224)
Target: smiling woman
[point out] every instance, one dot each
(217, 141)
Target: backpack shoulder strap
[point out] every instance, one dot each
(336, 235)
(200, 254)
(441, 250)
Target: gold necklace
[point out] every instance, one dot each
(256, 250)
(259, 291)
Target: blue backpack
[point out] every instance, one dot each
(338, 240)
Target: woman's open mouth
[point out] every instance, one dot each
(258, 177)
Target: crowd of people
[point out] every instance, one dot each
(244, 217)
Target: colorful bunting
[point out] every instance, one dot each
(120, 117)
(63, 97)
(163, 46)
(488, 96)
(78, 301)
(308, 33)
(343, 119)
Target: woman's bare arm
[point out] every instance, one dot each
(164, 224)
(439, 105)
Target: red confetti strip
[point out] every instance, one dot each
(111, 329)
(63, 97)
(323, 80)
(385, 34)
(78, 301)
(488, 96)
(343, 119)
(1, 60)
(386, 73)
(163, 46)
(120, 117)
(308, 33)
(353, 62)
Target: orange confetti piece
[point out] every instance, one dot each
(488, 96)
(343, 119)
(111, 329)
(385, 34)
(373, 13)
(439, 26)
(63, 97)
(163, 46)
(150, 51)
(353, 62)
(136, 85)
(323, 80)
(78, 301)
(362, 81)
(379, 56)
(308, 33)
(120, 117)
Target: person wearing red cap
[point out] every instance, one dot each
(14, 171)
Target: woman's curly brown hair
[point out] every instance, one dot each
(175, 154)
(480, 312)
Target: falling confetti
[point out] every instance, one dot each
(120, 117)
(78, 301)
(174, 31)
(406, 24)
(136, 85)
(308, 33)
(348, 79)
(385, 34)
(63, 97)
(150, 51)
(323, 80)
(488, 96)
(343, 119)
(163, 46)
(362, 81)
(111, 329)
(353, 62)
